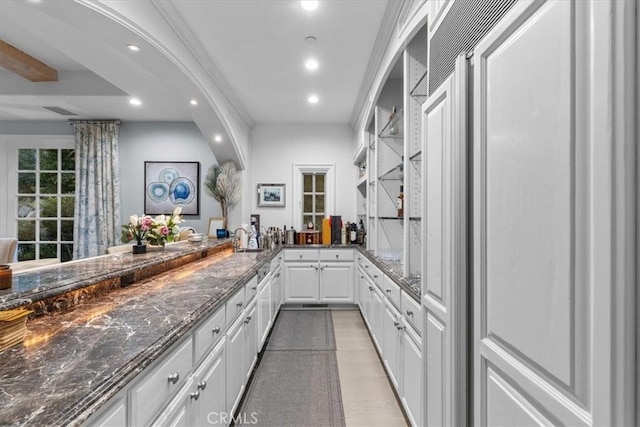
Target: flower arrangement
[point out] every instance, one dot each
(157, 231)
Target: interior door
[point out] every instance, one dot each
(551, 334)
(445, 250)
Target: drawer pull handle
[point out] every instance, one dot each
(337, 256)
(396, 323)
(362, 277)
(239, 304)
(400, 327)
(375, 276)
(278, 275)
(370, 288)
(173, 378)
(247, 320)
(388, 291)
(300, 256)
(202, 385)
(216, 330)
(195, 395)
(409, 313)
(253, 288)
(366, 266)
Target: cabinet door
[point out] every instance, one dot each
(366, 290)
(551, 252)
(377, 315)
(336, 282)
(301, 282)
(264, 310)
(411, 376)
(250, 340)
(176, 413)
(235, 365)
(444, 237)
(391, 342)
(210, 384)
(276, 293)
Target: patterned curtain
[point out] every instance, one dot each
(97, 203)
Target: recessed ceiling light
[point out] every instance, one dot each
(135, 101)
(217, 138)
(313, 99)
(309, 4)
(133, 47)
(193, 102)
(311, 64)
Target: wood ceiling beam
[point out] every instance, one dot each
(25, 65)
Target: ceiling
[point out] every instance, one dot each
(253, 50)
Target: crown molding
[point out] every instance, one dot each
(392, 14)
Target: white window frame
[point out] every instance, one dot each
(328, 169)
(9, 145)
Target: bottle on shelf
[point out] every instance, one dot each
(353, 233)
(400, 202)
(361, 233)
(343, 234)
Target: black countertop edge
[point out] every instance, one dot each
(79, 412)
(16, 300)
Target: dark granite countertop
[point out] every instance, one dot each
(73, 362)
(32, 286)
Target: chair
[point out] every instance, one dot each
(8, 248)
(21, 266)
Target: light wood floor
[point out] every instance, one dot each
(367, 396)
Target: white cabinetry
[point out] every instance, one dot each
(250, 340)
(265, 307)
(398, 344)
(115, 416)
(235, 365)
(313, 276)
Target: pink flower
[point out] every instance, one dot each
(164, 230)
(147, 221)
(144, 227)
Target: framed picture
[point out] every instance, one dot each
(215, 223)
(168, 185)
(271, 195)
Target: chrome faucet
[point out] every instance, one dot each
(236, 240)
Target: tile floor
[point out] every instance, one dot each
(367, 396)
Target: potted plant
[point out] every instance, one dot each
(224, 183)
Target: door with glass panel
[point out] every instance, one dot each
(45, 179)
(313, 199)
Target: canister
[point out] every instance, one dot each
(5, 276)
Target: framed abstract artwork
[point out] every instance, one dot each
(168, 185)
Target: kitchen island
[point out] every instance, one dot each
(75, 361)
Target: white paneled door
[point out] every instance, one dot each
(550, 252)
(445, 245)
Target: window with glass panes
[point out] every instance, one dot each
(46, 189)
(313, 197)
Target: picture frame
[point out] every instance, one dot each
(168, 185)
(215, 223)
(271, 195)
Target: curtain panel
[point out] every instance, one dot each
(97, 202)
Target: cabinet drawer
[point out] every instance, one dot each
(163, 381)
(210, 332)
(411, 311)
(336, 255)
(391, 290)
(235, 305)
(375, 274)
(250, 290)
(301, 255)
(275, 263)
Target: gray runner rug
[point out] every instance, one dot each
(294, 388)
(303, 330)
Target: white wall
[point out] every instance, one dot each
(162, 141)
(274, 150)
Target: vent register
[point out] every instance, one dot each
(466, 23)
